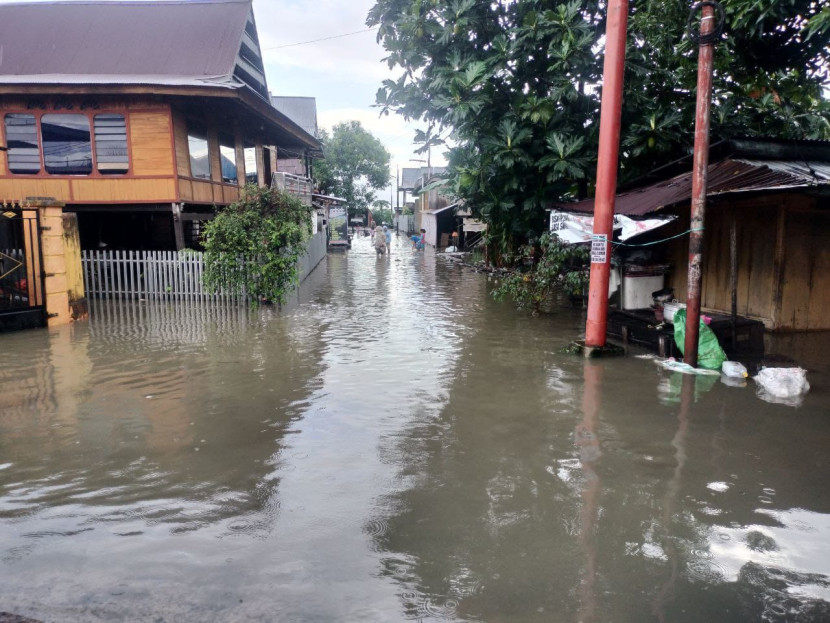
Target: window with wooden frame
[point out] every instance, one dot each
(21, 141)
(111, 154)
(227, 157)
(198, 148)
(251, 168)
(67, 143)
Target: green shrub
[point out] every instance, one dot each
(252, 246)
(540, 268)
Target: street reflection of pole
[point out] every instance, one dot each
(589, 453)
(687, 396)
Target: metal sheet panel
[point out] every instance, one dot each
(200, 38)
(725, 177)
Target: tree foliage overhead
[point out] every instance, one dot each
(253, 245)
(515, 84)
(355, 165)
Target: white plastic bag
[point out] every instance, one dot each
(782, 383)
(734, 369)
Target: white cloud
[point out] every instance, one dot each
(343, 74)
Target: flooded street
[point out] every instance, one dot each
(394, 445)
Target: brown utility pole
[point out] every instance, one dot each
(607, 163)
(709, 31)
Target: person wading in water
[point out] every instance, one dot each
(380, 241)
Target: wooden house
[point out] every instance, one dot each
(140, 116)
(766, 251)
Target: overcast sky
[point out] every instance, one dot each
(343, 74)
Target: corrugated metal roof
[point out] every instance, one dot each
(728, 176)
(452, 206)
(301, 110)
(97, 41)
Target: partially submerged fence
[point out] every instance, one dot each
(147, 275)
(167, 275)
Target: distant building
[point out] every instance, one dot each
(303, 112)
(141, 116)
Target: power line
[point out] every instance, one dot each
(347, 34)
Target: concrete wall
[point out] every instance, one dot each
(315, 252)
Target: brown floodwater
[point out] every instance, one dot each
(394, 445)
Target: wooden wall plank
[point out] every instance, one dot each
(201, 192)
(213, 153)
(123, 189)
(180, 139)
(805, 301)
(13, 188)
(150, 142)
(818, 311)
(230, 194)
(795, 301)
(760, 226)
(185, 190)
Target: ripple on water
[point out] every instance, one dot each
(376, 527)
(705, 569)
(437, 608)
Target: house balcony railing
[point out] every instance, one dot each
(294, 184)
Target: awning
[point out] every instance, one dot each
(436, 211)
(331, 198)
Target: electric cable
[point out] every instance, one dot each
(346, 34)
(713, 36)
(646, 244)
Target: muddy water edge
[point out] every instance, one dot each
(394, 445)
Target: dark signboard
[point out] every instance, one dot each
(338, 226)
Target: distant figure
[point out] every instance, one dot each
(379, 240)
(419, 241)
(388, 235)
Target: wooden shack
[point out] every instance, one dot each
(772, 198)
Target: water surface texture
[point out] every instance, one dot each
(394, 445)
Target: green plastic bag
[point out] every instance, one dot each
(709, 353)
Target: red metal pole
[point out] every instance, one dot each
(607, 161)
(699, 178)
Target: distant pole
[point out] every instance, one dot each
(607, 161)
(706, 41)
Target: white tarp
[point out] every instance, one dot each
(574, 227)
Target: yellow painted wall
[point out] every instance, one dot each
(74, 270)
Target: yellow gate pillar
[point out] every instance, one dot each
(60, 249)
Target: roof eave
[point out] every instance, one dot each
(231, 90)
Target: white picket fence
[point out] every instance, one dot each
(167, 275)
(146, 275)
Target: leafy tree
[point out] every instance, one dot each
(515, 85)
(253, 245)
(355, 165)
(381, 212)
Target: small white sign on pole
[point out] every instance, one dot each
(599, 249)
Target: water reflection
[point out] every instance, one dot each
(590, 453)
